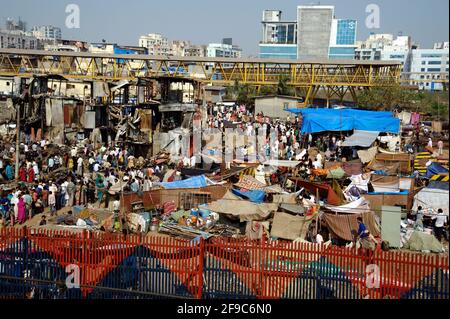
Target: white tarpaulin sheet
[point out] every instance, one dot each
(432, 198)
(388, 187)
(361, 138)
(356, 207)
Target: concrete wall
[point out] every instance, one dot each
(314, 28)
(274, 106)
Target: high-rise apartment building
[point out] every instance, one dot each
(155, 43)
(46, 32)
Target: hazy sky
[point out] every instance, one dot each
(206, 21)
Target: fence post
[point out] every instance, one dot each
(84, 276)
(25, 258)
(200, 268)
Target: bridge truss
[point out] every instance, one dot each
(335, 78)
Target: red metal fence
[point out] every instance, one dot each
(114, 266)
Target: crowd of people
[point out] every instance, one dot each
(290, 143)
(51, 176)
(54, 177)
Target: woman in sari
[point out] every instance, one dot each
(22, 213)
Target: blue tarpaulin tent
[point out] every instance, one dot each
(193, 182)
(255, 196)
(320, 120)
(435, 169)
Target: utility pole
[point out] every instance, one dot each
(17, 141)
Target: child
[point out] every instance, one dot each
(43, 221)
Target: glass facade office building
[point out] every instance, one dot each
(343, 39)
(346, 32)
(278, 51)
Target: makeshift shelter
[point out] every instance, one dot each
(245, 210)
(383, 161)
(342, 225)
(320, 120)
(324, 190)
(288, 226)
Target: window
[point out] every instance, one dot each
(431, 55)
(397, 56)
(424, 62)
(422, 70)
(434, 69)
(285, 105)
(434, 62)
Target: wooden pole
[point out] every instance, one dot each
(17, 141)
(318, 205)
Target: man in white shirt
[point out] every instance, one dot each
(64, 194)
(96, 167)
(441, 221)
(73, 152)
(116, 206)
(79, 166)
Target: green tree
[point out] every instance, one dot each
(283, 87)
(386, 97)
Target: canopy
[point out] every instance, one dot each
(193, 182)
(343, 112)
(361, 138)
(319, 120)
